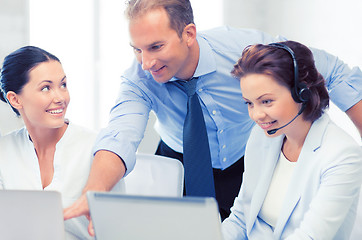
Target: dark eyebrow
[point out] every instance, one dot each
(263, 95)
(258, 97)
(50, 81)
(266, 94)
(45, 81)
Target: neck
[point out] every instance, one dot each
(190, 64)
(294, 140)
(45, 138)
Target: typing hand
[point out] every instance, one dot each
(90, 226)
(79, 208)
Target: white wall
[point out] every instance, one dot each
(14, 33)
(68, 30)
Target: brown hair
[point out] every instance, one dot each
(277, 63)
(179, 11)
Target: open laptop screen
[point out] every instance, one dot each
(117, 216)
(31, 215)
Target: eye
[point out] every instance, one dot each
(137, 50)
(250, 104)
(156, 47)
(268, 101)
(45, 88)
(64, 85)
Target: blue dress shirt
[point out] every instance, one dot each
(226, 116)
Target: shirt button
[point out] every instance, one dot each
(200, 90)
(214, 112)
(223, 146)
(221, 131)
(224, 159)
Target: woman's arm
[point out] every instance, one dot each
(344, 84)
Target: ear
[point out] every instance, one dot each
(190, 34)
(14, 100)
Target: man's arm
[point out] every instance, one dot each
(344, 84)
(107, 169)
(355, 114)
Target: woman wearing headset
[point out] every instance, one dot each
(302, 173)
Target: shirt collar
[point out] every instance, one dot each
(207, 63)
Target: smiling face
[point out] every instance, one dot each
(270, 104)
(160, 50)
(44, 99)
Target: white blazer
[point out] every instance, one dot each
(322, 196)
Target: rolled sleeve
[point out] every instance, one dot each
(126, 127)
(348, 93)
(344, 84)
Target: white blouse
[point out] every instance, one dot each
(19, 169)
(274, 199)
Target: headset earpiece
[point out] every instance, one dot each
(300, 91)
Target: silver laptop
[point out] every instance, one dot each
(126, 217)
(31, 215)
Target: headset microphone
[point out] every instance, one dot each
(273, 131)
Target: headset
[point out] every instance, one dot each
(300, 91)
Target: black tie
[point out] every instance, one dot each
(199, 180)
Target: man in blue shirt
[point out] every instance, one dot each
(168, 48)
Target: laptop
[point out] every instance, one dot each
(126, 217)
(31, 215)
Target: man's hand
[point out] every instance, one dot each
(79, 208)
(107, 169)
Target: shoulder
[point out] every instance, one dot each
(135, 72)
(137, 81)
(229, 37)
(135, 75)
(15, 137)
(338, 138)
(330, 133)
(77, 132)
(335, 144)
(258, 143)
(13, 144)
(257, 136)
(232, 31)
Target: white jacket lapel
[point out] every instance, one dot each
(272, 149)
(305, 164)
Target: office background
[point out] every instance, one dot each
(91, 39)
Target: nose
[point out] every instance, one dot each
(256, 113)
(147, 61)
(59, 96)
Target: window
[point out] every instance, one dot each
(91, 40)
